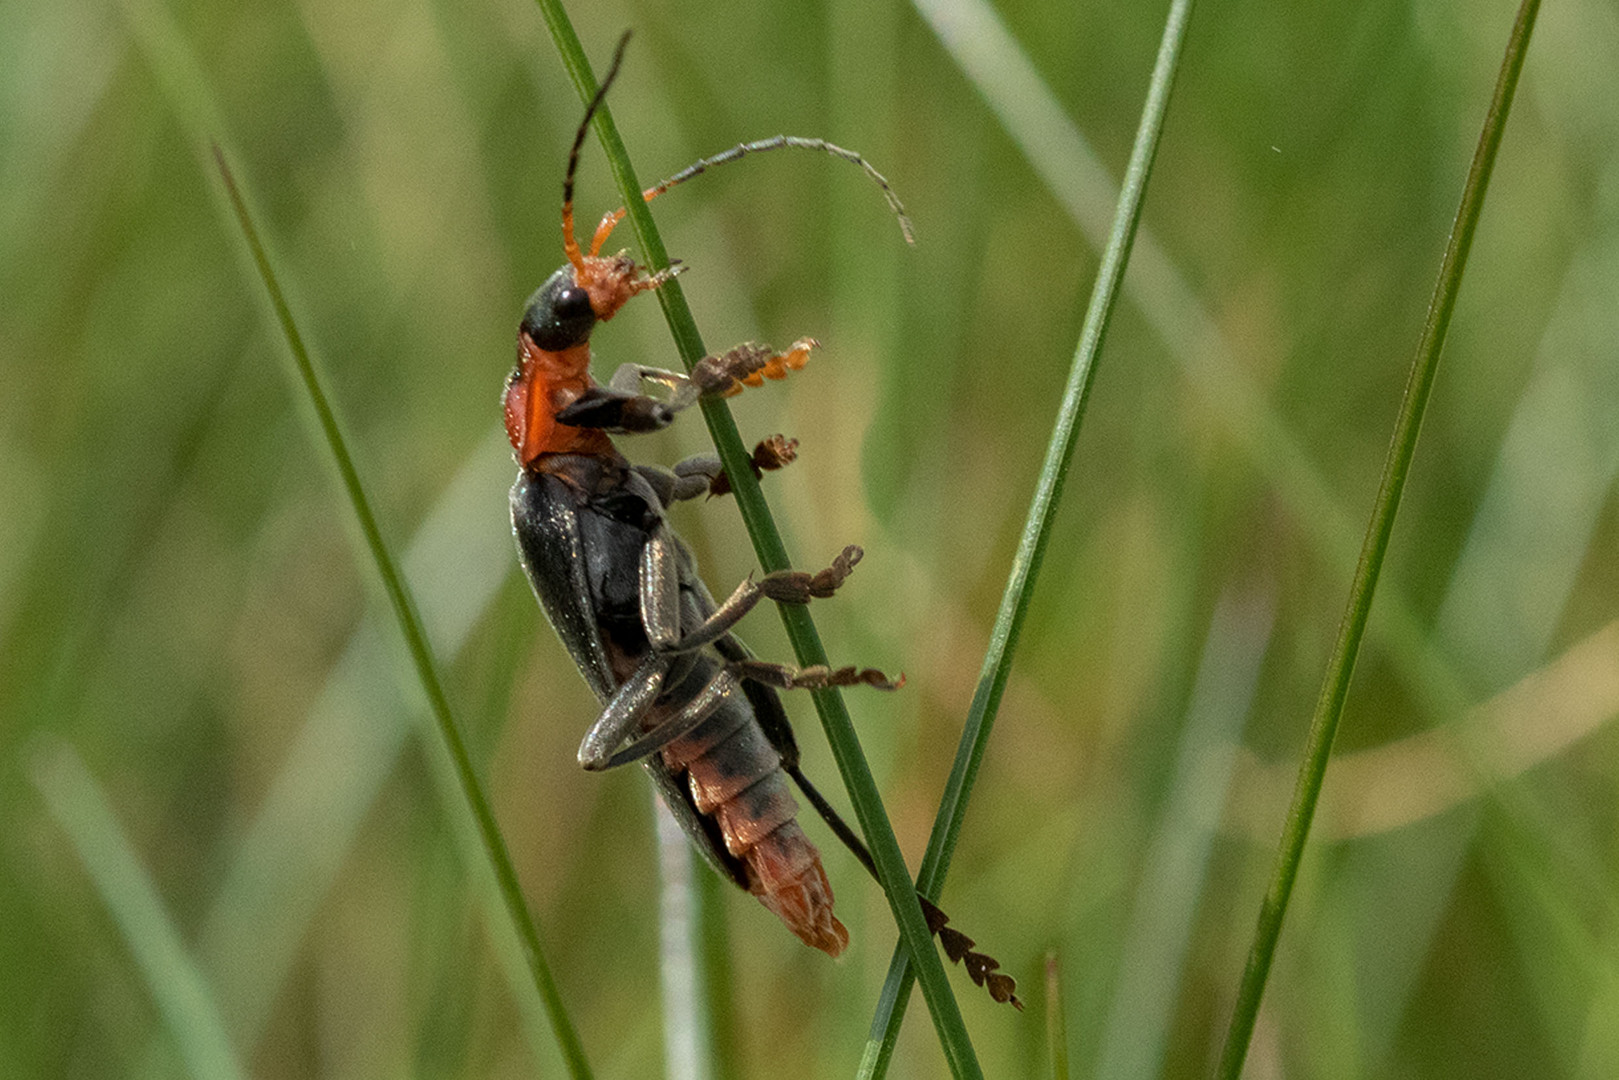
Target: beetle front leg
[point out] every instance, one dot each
(621, 407)
(627, 378)
(748, 364)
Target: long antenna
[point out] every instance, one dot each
(569, 245)
(736, 153)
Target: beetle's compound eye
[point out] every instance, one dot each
(559, 314)
(573, 304)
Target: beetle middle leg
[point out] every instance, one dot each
(660, 594)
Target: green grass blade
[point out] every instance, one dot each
(767, 543)
(184, 998)
(415, 640)
(296, 843)
(1037, 529)
(1341, 666)
(688, 1032)
(717, 977)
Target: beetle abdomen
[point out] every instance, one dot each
(734, 777)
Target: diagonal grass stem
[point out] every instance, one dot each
(1396, 467)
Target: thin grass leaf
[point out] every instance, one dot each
(1397, 465)
(183, 997)
(767, 544)
(415, 640)
(687, 1032)
(1036, 530)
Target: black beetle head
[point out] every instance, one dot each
(559, 314)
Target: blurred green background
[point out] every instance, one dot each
(211, 745)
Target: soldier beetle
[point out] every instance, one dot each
(680, 694)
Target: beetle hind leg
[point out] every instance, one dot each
(815, 677)
(623, 713)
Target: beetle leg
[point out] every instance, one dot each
(623, 712)
(660, 590)
(724, 375)
(748, 364)
(694, 712)
(799, 587)
(703, 473)
(627, 378)
(607, 409)
(817, 677)
(695, 475)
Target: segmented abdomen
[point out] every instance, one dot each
(735, 777)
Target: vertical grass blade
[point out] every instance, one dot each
(1037, 529)
(687, 1033)
(183, 997)
(1396, 467)
(415, 640)
(767, 543)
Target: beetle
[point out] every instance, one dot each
(680, 694)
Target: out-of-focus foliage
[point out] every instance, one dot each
(182, 609)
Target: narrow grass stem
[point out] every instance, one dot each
(767, 543)
(1036, 530)
(1396, 467)
(410, 626)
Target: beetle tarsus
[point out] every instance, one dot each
(749, 364)
(800, 587)
(771, 453)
